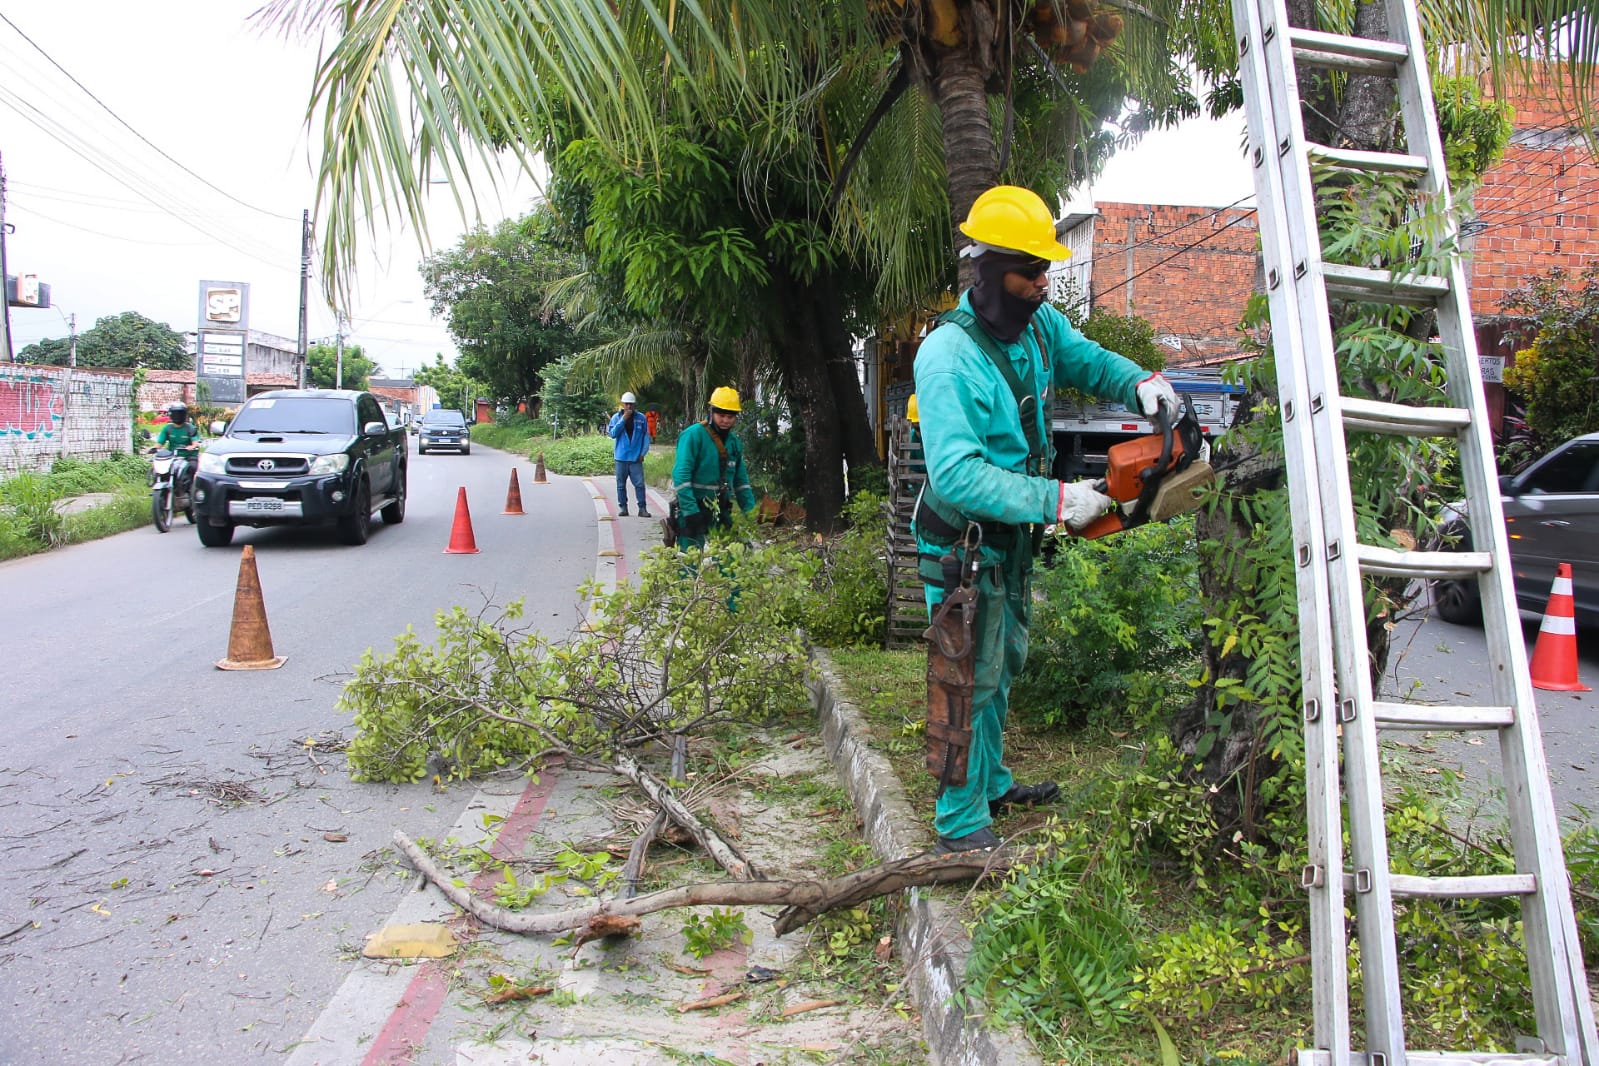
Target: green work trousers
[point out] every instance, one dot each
(1004, 610)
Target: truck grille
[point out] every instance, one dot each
(272, 466)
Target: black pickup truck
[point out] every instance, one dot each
(302, 457)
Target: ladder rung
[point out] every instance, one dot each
(1486, 886)
(1361, 54)
(1436, 716)
(1367, 162)
(1319, 1057)
(1443, 566)
(1375, 416)
(1383, 286)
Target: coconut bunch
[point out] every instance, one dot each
(1072, 32)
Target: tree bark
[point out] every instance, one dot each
(959, 81)
(803, 359)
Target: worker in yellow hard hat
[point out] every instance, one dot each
(985, 377)
(708, 474)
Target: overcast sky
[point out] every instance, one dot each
(193, 165)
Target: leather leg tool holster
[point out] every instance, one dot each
(951, 677)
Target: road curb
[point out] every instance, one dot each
(933, 944)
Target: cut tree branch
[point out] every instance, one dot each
(802, 900)
(726, 855)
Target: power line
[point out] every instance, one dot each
(1179, 252)
(159, 151)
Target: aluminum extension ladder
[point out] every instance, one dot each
(1329, 564)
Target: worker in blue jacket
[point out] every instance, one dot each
(984, 381)
(631, 431)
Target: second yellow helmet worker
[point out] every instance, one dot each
(1009, 216)
(725, 399)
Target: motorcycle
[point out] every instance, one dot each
(170, 485)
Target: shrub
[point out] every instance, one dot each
(1111, 618)
(588, 456)
(848, 598)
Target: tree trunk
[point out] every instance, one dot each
(969, 158)
(802, 358)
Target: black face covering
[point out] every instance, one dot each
(1003, 315)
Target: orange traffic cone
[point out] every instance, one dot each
(1554, 657)
(513, 496)
(249, 639)
(538, 471)
(461, 540)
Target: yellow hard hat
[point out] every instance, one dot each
(910, 409)
(1014, 218)
(725, 399)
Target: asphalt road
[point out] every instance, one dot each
(1437, 662)
(182, 878)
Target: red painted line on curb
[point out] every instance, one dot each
(403, 1034)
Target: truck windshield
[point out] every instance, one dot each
(444, 418)
(296, 414)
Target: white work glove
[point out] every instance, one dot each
(1080, 503)
(1154, 391)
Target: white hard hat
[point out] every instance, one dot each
(628, 397)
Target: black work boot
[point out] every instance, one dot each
(643, 512)
(1024, 796)
(623, 511)
(983, 839)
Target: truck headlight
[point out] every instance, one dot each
(329, 464)
(212, 464)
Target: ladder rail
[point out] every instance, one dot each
(1323, 877)
(1549, 926)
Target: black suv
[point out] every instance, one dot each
(443, 427)
(302, 457)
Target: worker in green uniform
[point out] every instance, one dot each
(708, 474)
(984, 379)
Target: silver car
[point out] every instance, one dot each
(443, 427)
(1552, 517)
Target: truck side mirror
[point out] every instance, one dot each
(218, 427)
(375, 429)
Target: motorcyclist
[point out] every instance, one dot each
(182, 438)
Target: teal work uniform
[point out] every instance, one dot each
(976, 453)
(181, 439)
(700, 476)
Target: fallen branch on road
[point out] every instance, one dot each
(802, 901)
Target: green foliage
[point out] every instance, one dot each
(590, 456)
(30, 516)
(580, 873)
(774, 449)
(664, 654)
(511, 431)
(573, 399)
(847, 578)
(323, 363)
(1474, 131)
(709, 933)
(492, 288)
(1113, 622)
(1559, 375)
(125, 340)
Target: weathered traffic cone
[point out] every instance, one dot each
(1554, 657)
(513, 496)
(461, 540)
(538, 471)
(249, 639)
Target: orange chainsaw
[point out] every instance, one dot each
(1154, 478)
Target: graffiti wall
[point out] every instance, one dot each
(47, 412)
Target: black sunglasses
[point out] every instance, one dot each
(1032, 271)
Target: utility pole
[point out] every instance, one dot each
(5, 301)
(338, 350)
(72, 343)
(305, 284)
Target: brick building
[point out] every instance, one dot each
(1188, 271)
(1538, 208)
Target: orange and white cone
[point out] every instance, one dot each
(1554, 657)
(249, 639)
(513, 496)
